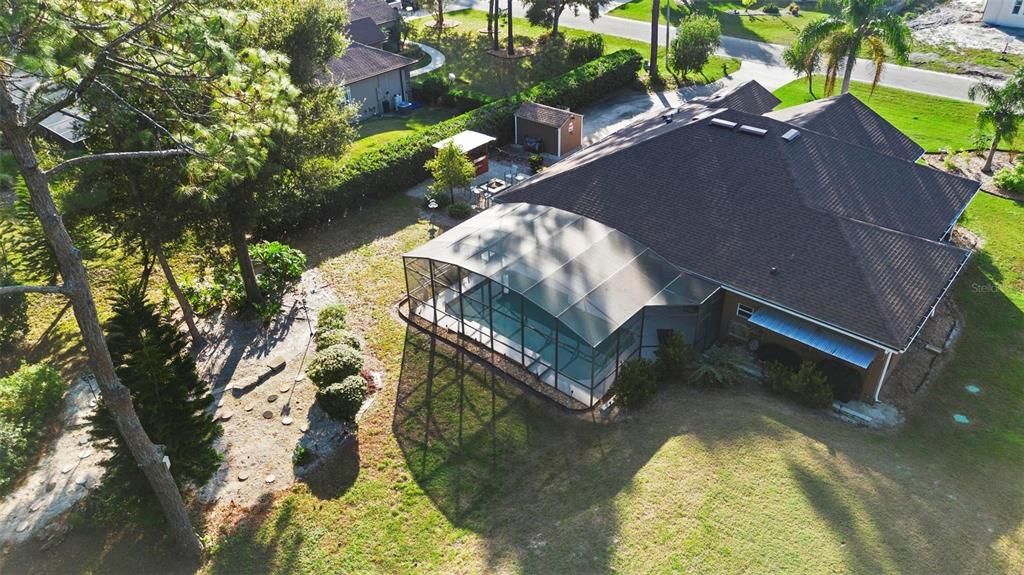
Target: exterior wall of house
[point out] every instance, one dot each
(547, 135)
(1004, 13)
(371, 93)
(737, 330)
(572, 134)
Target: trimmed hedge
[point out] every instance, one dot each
(332, 337)
(334, 364)
(396, 167)
(342, 400)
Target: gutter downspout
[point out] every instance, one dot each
(885, 371)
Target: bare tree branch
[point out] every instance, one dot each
(11, 290)
(113, 156)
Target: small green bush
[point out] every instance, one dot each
(301, 455)
(282, 266)
(807, 384)
(331, 337)
(672, 358)
(636, 383)
(585, 48)
(331, 317)
(1010, 179)
(721, 367)
(430, 88)
(536, 162)
(29, 397)
(771, 9)
(777, 377)
(342, 400)
(334, 364)
(460, 210)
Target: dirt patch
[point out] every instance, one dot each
(959, 23)
(969, 165)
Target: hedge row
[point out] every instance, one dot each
(396, 167)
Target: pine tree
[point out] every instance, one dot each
(152, 361)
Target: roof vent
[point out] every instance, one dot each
(773, 270)
(723, 123)
(760, 132)
(791, 135)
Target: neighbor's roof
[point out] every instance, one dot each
(466, 141)
(546, 115)
(847, 118)
(365, 31)
(67, 124)
(749, 97)
(590, 276)
(376, 10)
(361, 62)
(824, 228)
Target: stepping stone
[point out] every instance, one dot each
(270, 478)
(285, 388)
(961, 418)
(220, 403)
(248, 407)
(22, 526)
(92, 403)
(83, 440)
(299, 377)
(67, 469)
(286, 421)
(275, 364)
(226, 416)
(85, 453)
(35, 505)
(268, 414)
(271, 398)
(304, 428)
(81, 480)
(973, 389)
(243, 475)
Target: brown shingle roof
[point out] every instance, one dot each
(361, 62)
(365, 31)
(376, 10)
(850, 232)
(847, 118)
(541, 114)
(749, 97)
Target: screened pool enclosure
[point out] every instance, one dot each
(566, 297)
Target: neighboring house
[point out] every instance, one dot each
(365, 31)
(372, 78)
(722, 225)
(552, 130)
(384, 16)
(1004, 13)
(749, 97)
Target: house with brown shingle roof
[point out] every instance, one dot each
(374, 79)
(811, 232)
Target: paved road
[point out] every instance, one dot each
(766, 59)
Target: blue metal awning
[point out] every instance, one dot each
(819, 338)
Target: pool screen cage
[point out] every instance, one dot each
(568, 298)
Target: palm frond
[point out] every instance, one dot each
(877, 47)
(893, 31)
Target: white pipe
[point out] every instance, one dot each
(885, 371)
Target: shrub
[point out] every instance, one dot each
(721, 366)
(536, 162)
(13, 318)
(331, 317)
(333, 364)
(443, 200)
(696, 39)
(636, 383)
(771, 9)
(807, 384)
(777, 377)
(301, 455)
(28, 399)
(585, 48)
(460, 210)
(342, 400)
(332, 337)
(672, 358)
(430, 89)
(398, 166)
(282, 266)
(1010, 178)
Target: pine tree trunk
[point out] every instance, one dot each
(116, 397)
(241, 247)
(183, 303)
(511, 48)
(851, 60)
(554, 20)
(655, 14)
(496, 17)
(991, 154)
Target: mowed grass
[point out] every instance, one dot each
(934, 122)
(377, 132)
(781, 29)
(466, 55)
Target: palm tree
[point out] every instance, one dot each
(1003, 111)
(859, 24)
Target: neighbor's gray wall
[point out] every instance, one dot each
(371, 92)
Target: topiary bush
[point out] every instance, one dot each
(460, 210)
(334, 364)
(332, 337)
(672, 358)
(331, 317)
(636, 383)
(342, 400)
(1010, 178)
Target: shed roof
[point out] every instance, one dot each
(376, 10)
(828, 229)
(365, 31)
(466, 141)
(545, 115)
(360, 62)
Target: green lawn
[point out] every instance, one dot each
(933, 122)
(377, 132)
(466, 55)
(782, 29)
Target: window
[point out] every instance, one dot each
(744, 311)
(1016, 6)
